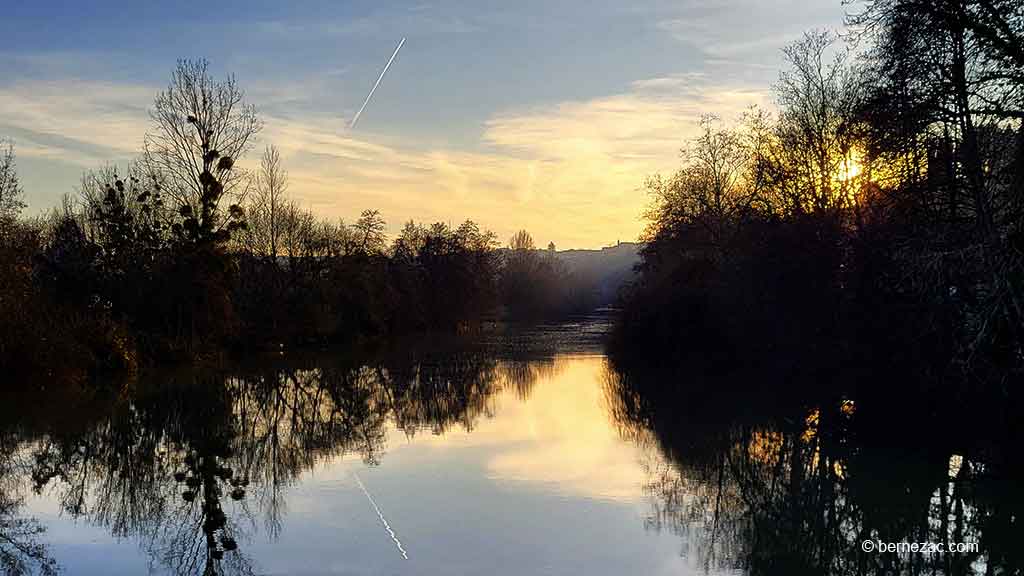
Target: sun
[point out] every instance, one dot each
(850, 167)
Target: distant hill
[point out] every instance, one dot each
(604, 271)
(593, 277)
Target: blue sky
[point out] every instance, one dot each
(542, 115)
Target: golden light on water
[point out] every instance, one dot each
(557, 437)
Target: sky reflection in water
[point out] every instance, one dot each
(541, 483)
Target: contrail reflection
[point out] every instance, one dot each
(381, 514)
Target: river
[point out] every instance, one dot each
(514, 451)
(503, 458)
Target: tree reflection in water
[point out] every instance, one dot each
(21, 550)
(193, 464)
(795, 488)
(190, 464)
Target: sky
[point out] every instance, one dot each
(536, 114)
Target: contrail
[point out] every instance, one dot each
(370, 498)
(377, 83)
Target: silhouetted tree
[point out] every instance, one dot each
(369, 232)
(201, 129)
(267, 206)
(446, 277)
(946, 103)
(817, 97)
(11, 194)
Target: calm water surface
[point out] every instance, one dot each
(516, 452)
(504, 458)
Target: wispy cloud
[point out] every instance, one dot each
(746, 34)
(518, 115)
(77, 121)
(570, 172)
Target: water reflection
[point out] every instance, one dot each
(797, 487)
(555, 435)
(502, 457)
(188, 464)
(21, 549)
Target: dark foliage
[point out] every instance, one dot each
(798, 322)
(769, 259)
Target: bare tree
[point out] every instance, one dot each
(11, 194)
(297, 228)
(338, 240)
(817, 96)
(521, 241)
(369, 230)
(201, 127)
(268, 205)
(711, 189)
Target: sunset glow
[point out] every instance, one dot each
(479, 117)
(654, 287)
(851, 167)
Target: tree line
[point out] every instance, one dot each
(184, 253)
(867, 238)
